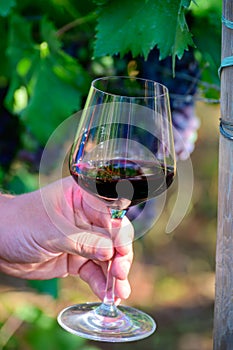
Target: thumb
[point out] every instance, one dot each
(91, 245)
(88, 243)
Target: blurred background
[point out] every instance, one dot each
(46, 66)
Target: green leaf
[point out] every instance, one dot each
(21, 48)
(54, 81)
(6, 6)
(20, 42)
(54, 97)
(182, 38)
(141, 26)
(48, 34)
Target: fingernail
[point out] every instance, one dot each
(125, 292)
(117, 301)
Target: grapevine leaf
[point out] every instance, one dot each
(20, 47)
(20, 42)
(52, 98)
(182, 39)
(56, 88)
(55, 82)
(141, 26)
(6, 6)
(48, 34)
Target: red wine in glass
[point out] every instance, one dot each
(136, 181)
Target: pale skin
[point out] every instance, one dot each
(62, 230)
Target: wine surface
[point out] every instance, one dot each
(122, 179)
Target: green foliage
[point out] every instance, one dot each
(46, 83)
(43, 332)
(141, 26)
(52, 79)
(5, 7)
(206, 28)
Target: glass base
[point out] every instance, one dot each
(123, 325)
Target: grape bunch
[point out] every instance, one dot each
(182, 89)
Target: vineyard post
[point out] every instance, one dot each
(223, 313)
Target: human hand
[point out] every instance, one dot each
(61, 230)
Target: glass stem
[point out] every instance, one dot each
(109, 297)
(108, 307)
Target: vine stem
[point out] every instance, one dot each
(75, 23)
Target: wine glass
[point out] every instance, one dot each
(123, 154)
